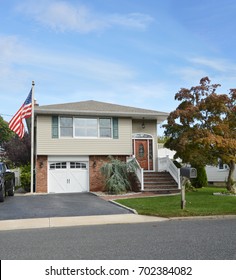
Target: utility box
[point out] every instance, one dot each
(188, 172)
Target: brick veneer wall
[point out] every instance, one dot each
(96, 180)
(41, 174)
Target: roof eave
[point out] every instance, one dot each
(160, 116)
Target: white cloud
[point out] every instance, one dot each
(7, 47)
(190, 74)
(63, 16)
(132, 20)
(15, 52)
(12, 54)
(219, 70)
(220, 65)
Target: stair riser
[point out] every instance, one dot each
(163, 191)
(160, 188)
(157, 177)
(159, 183)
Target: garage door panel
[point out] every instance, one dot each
(79, 180)
(68, 177)
(58, 181)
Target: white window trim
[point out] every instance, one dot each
(85, 137)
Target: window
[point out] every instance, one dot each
(66, 127)
(54, 126)
(58, 165)
(150, 149)
(105, 128)
(222, 165)
(141, 151)
(86, 127)
(78, 165)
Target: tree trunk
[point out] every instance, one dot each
(230, 180)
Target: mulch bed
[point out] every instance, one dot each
(106, 196)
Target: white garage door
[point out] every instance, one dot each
(68, 176)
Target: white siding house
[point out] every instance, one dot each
(215, 174)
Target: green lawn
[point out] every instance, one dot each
(199, 203)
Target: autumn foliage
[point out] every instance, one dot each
(202, 129)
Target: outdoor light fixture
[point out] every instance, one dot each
(143, 124)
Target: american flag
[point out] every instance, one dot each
(25, 111)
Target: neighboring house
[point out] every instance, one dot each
(218, 175)
(73, 141)
(215, 174)
(164, 152)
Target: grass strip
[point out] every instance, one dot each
(201, 202)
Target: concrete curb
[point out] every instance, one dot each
(123, 206)
(215, 217)
(55, 222)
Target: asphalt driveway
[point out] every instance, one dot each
(57, 205)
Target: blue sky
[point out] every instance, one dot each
(130, 52)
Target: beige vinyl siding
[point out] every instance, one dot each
(150, 127)
(46, 145)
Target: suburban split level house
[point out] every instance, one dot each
(73, 140)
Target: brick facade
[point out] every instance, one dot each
(96, 180)
(41, 174)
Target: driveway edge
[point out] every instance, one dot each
(123, 206)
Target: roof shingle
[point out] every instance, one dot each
(96, 108)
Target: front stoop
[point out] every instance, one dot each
(160, 182)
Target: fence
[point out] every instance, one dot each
(17, 176)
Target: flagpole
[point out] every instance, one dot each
(32, 142)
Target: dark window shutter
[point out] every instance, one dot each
(54, 126)
(115, 128)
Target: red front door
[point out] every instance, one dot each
(141, 153)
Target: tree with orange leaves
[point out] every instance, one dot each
(202, 129)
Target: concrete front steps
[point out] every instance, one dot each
(160, 182)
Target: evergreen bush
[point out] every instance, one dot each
(25, 177)
(201, 180)
(116, 173)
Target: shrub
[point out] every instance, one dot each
(25, 177)
(116, 173)
(201, 180)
